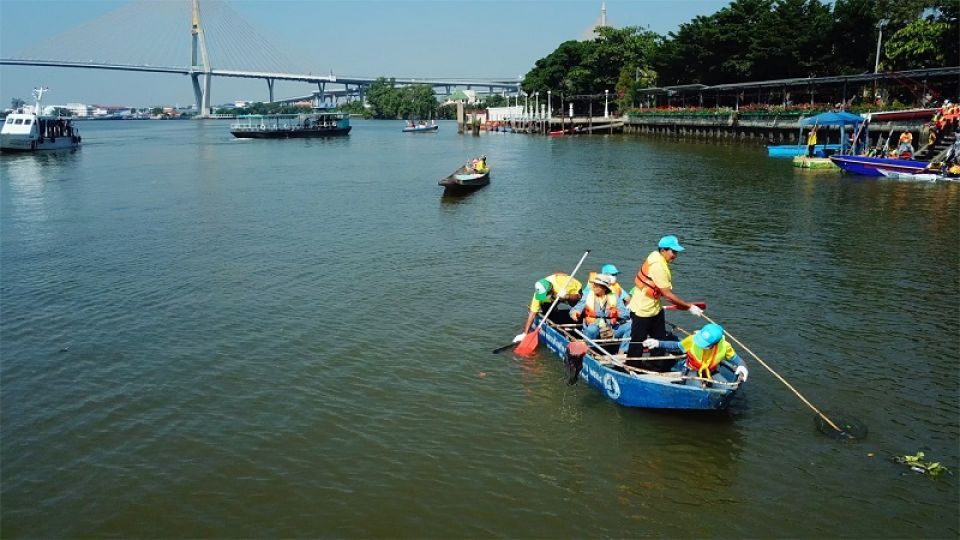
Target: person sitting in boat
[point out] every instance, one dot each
(604, 315)
(481, 165)
(705, 351)
(410, 123)
(616, 288)
(545, 291)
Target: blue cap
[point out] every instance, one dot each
(708, 336)
(609, 269)
(670, 242)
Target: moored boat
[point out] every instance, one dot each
(871, 166)
(24, 131)
(790, 150)
(465, 179)
(321, 122)
(636, 387)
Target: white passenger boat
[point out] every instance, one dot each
(32, 131)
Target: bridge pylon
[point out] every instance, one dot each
(199, 44)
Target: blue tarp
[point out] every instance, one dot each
(833, 119)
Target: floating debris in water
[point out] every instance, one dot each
(918, 465)
(850, 428)
(65, 349)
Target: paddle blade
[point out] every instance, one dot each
(528, 345)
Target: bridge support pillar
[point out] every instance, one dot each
(270, 89)
(202, 93)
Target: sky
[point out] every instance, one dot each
(359, 38)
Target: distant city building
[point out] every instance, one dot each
(470, 96)
(79, 109)
(497, 114)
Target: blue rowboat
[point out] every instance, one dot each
(791, 150)
(873, 166)
(636, 387)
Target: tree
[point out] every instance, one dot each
(16, 103)
(383, 98)
(931, 41)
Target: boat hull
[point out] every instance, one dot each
(460, 182)
(290, 134)
(21, 143)
(871, 166)
(791, 150)
(643, 390)
(427, 129)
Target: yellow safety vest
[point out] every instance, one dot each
(705, 362)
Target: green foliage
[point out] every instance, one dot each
(355, 107)
(16, 103)
(494, 100)
(927, 42)
(386, 100)
(918, 464)
(751, 40)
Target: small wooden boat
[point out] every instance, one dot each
(636, 387)
(465, 180)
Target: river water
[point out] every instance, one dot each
(205, 337)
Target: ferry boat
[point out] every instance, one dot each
(32, 131)
(321, 122)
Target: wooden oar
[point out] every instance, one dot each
(781, 379)
(529, 342)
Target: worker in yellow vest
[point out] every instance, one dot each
(705, 351)
(654, 281)
(604, 315)
(545, 291)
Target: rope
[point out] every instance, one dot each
(777, 375)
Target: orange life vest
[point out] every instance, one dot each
(645, 282)
(590, 310)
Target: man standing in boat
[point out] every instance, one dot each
(654, 281)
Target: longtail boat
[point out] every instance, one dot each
(464, 180)
(634, 386)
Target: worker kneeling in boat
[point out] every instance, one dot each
(603, 312)
(705, 350)
(545, 291)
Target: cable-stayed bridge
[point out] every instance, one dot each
(203, 41)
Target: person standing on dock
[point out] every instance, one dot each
(654, 281)
(811, 141)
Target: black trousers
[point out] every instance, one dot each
(641, 329)
(810, 148)
(558, 315)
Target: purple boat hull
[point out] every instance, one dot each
(872, 166)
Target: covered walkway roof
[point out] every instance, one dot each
(805, 81)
